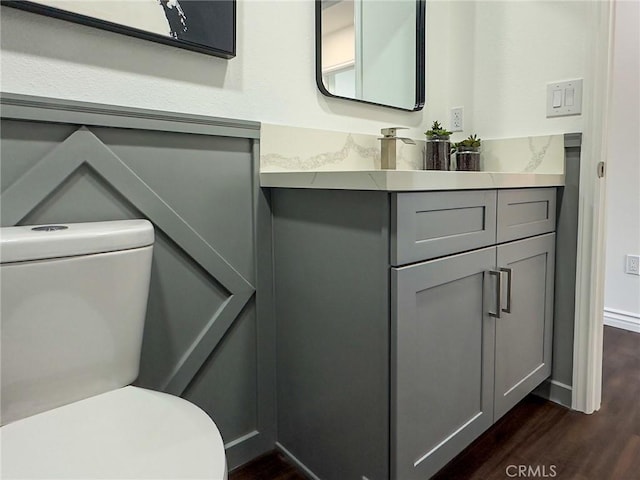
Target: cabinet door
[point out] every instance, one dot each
(442, 354)
(524, 331)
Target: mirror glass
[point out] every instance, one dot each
(372, 51)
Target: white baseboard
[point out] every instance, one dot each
(621, 319)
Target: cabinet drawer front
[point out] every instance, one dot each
(433, 224)
(525, 212)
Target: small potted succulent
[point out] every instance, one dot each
(438, 151)
(468, 154)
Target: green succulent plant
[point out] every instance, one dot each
(437, 130)
(472, 142)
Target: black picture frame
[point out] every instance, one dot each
(213, 19)
(420, 90)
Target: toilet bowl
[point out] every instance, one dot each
(73, 308)
(130, 433)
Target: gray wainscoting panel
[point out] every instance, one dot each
(196, 181)
(55, 110)
(566, 255)
(23, 147)
(559, 387)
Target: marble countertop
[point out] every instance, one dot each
(407, 180)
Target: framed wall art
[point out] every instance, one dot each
(206, 26)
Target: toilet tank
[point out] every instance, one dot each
(73, 299)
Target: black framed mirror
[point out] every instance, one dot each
(372, 51)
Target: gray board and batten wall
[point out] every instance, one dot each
(209, 333)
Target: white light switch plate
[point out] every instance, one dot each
(570, 95)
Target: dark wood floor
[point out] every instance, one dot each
(272, 466)
(537, 433)
(601, 446)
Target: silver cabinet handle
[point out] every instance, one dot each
(498, 312)
(509, 273)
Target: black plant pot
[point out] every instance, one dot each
(468, 159)
(438, 153)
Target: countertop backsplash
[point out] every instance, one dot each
(287, 149)
(542, 154)
(284, 148)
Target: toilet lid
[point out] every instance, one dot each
(126, 433)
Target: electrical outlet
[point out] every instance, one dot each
(632, 264)
(457, 119)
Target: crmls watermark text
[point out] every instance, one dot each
(531, 471)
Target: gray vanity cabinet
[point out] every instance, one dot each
(442, 348)
(407, 323)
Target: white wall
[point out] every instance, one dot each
(492, 57)
(502, 56)
(272, 79)
(622, 291)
